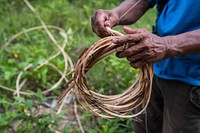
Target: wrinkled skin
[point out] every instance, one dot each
(102, 19)
(146, 48)
(110, 18)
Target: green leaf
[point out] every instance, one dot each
(29, 103)
(3, 123)
(39, 95)
(105, 128)
(20, 99)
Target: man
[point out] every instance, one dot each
(175, 51)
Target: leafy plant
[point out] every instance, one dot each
(110, 76)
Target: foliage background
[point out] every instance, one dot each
(110, 76)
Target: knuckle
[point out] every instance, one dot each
(144, 30)
(128, 51)
(145, 44)
(148, 54)
(145, 35)
(129, 37)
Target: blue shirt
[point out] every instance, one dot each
(178, 16)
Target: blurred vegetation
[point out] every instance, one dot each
(110, 76)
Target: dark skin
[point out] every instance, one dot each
(147, 47)
(110, 18)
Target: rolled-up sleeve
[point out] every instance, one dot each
(152, 2)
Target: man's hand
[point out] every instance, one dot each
(118, 16)
(146, 48)
(102, 19)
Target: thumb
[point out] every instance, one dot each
(111, 22)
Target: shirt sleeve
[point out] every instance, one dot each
(152, 2)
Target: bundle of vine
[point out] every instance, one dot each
(109, 106)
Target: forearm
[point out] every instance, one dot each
(182, 44)
(134, 14)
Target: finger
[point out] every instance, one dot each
(98, 23)
(145, 55)
(129, 38)
(133, 50)
(138, 64)
(153, 60)
(103, 33)
(136, 57)
(101, 29)
(141, 62)
(132, 31)
(94, 26)
(107, 24)
(118, 53)
(111, 22)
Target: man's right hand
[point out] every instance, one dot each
(102, 19)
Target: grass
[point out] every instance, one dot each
(110, 76)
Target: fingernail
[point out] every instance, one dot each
(107, 24)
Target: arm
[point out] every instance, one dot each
(185, 43)
(118, 16)
(140, 7)
(150, 48)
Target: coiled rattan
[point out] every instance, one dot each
(137, 96)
